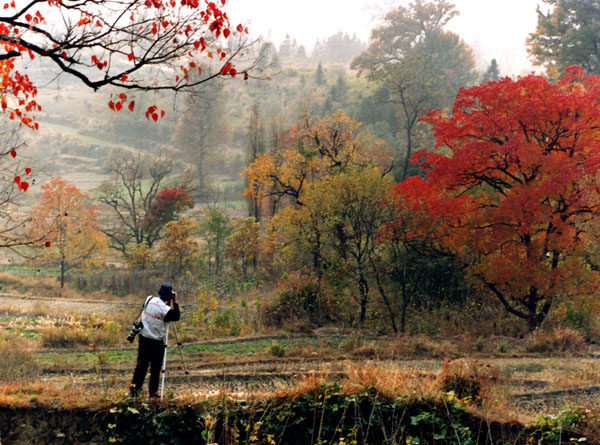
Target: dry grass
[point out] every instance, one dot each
(24, 394)
(16, 359)
(76, 331)
(563, 340)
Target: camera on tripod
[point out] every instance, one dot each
(135, 330)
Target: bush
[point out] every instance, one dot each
(468, 379)
(300, 301)
(559, 340)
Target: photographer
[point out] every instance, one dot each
(157, 311)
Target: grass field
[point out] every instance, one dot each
(74, 352)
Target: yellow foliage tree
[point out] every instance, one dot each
(178, 248)
(71, 228)
(243, 244)
(311, 151)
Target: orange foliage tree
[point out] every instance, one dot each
(70, 227)
(512, 191)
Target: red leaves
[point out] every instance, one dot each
(118, 104)
(130, 56)
(152, 113)
(13, 153)
(23, 185)
(48, 244)
(226, 68)
(100, 65)
(27, 170)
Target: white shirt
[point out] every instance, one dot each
(153, 317)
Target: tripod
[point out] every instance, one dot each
(164, 368)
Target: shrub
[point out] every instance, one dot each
(468, 379)
(296, 300)
(559, 340)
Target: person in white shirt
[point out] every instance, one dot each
(156, 313)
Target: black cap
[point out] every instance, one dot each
(166, 291)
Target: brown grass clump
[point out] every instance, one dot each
(468, 379)
(563, 340)
(17, 360)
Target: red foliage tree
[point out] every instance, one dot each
(167, 204)
(512, 190)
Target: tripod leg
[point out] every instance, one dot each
(164, 369)
(187, 373)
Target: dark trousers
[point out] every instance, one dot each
(150, 352)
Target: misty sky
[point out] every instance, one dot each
(493, 28)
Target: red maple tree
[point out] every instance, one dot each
(512, 190)
(166, 206)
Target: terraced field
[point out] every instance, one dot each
(533, 383)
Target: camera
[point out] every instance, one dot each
(135, 330)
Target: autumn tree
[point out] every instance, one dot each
(242, 246)
(126, 48)
(178, 248)
(567, 33)
(512, 191)
(421, 65)
(311, 150)
(344, 213)
(165, 207)
(70, 226)
(139, 202)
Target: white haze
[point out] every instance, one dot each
(493, 28)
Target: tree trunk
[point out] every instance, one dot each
(62, 273)
(363, 288)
